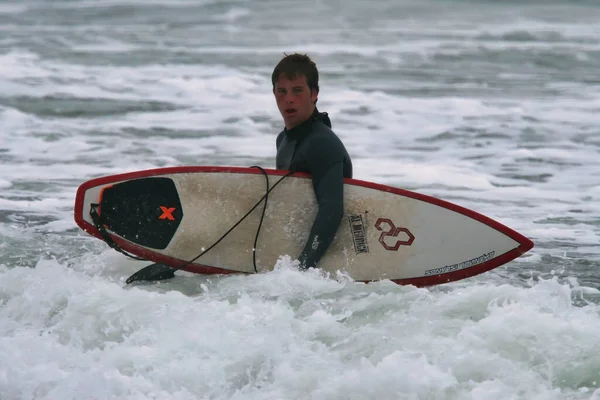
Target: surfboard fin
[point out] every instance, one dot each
(153, 272)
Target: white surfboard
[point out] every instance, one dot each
(170, 215)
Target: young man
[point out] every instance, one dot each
(307, 144)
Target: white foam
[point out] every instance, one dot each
(287, 333)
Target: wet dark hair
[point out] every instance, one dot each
(296, 64)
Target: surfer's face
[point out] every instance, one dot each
(295, 100)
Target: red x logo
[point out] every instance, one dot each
(167, 213)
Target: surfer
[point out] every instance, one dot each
(307, 144)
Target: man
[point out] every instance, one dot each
(307, 144)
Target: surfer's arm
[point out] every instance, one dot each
(329, 191)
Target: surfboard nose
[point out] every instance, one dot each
(145, 211)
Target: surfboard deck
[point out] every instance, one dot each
(170, 215)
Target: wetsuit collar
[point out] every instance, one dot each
(302, 129)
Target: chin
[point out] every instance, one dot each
(290, 121)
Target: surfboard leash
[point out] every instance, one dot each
(265, 197)
(98, 223)
(262, 216)
(140, 274)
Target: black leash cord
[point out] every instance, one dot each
(97, 219)
(265, 196)
(262, 216)
(98, 223)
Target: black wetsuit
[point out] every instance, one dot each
(313, 147)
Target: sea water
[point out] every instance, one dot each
(491, 105)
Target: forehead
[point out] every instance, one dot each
(290, 81)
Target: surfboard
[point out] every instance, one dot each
(170, 215)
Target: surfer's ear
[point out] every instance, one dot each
(314, 94)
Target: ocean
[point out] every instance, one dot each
(494, 106)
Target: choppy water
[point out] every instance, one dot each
(491, 105)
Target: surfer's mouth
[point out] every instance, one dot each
(290, 111)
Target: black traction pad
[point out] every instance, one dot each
(144, 211)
